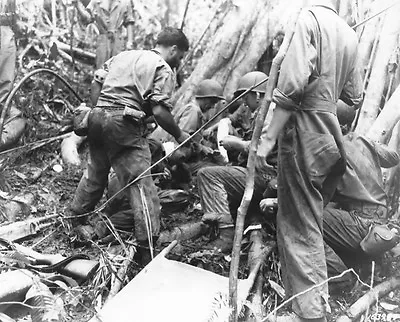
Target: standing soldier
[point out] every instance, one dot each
(110, 17)
(139, 84)
(319, 68)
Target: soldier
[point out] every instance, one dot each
(355, 223)
(110, 17)
(319, 68)
(221, 188)
(139, 84)
(190, 117)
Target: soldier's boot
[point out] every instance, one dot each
(224, 241)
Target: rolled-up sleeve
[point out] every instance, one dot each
(163, 86)
(353, 88)
(297, 66)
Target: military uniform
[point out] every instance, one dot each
(119, 142)
(110, 17)
(189, 118)
(319, 68)
(360, 202)
(7, 47)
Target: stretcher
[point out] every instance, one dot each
(167, 290)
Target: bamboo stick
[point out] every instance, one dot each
(121, 274)
(248, 193)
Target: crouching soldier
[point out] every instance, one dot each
(355, 221)
(190, 118)
(355, 225)
(221, 188)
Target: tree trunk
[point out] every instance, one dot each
(375, 90)
(236, 46)
(381, 129)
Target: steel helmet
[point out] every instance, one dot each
(250, 79)
(209, 88)
(344, 113)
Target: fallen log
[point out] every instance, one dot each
(69, 149)
(363, 303)
(181, 233)
(258, 251)
(76, 51)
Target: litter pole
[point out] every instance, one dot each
(248, 193)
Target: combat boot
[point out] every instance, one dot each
(224, 241)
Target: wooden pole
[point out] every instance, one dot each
(71, 42)
(248, 193)
(184, 14)
(54, 15)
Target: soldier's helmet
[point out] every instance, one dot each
(209, 88)
(250, 79)
(345, 113)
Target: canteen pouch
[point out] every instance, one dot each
(379, 239)
(81, 119)
(133, 114)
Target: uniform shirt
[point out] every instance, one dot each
(362, 180)
(316, 69)
(113, 13)
(319, 68)
(134, 74)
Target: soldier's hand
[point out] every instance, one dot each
(264, 148)
(268, 205)
(206, 150)
(183, 137)
(208, 132)
(231, 142)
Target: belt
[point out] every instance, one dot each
(112, 108)
(369, 210)
(317, 104)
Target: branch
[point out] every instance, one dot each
(121, 274)
(363, 303)
(248, 193)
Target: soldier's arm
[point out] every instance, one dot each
(296, 69)
(165, 119)
(388, 157)
(353, 88)
(159, 99)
